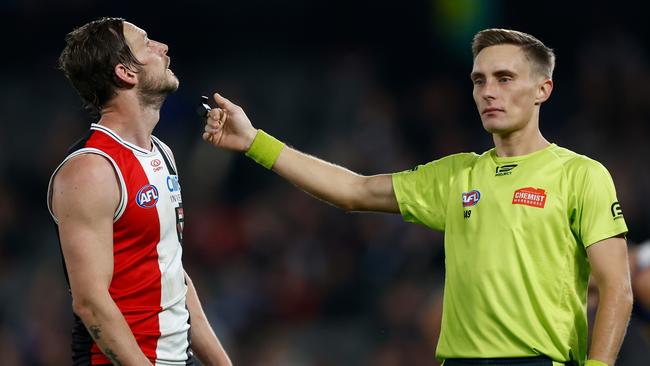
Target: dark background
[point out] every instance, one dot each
(376, 86)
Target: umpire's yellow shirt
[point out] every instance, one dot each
(516, 230)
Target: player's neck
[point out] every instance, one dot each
(130, 119)
(522, 142)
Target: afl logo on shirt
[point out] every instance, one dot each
(471, 198)
(147, 196)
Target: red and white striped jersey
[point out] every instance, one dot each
(148, 282)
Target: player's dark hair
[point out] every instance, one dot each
(89, 58)
(542, 57)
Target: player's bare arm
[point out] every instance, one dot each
(84, 198)
(609, 266)
(205, 343)
(228, 127)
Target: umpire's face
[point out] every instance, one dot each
(507, 91)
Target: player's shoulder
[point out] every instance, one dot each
(85, 170)
(85, 183)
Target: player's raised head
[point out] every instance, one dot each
(89, 58)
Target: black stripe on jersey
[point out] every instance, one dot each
(65, 270)
(81, 143)
(188, 351)
(166, 158)
(82, 343)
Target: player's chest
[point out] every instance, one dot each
(152, 184)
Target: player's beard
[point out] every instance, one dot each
(153, 90)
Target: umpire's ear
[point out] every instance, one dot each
(544, 90)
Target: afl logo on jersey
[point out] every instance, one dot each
(147, 196)
(471, 198)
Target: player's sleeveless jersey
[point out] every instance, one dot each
(516, 233)
(148, 283)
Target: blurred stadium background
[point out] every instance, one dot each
(377, 86)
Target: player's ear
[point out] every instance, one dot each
(544, 90)
(126, 75)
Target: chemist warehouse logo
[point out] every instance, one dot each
(530, 196)
(147, 196)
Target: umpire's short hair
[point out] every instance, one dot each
(542, 57)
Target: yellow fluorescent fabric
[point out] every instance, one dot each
(516, 233)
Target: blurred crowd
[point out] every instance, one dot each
(286, 279)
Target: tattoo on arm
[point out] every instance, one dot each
(112, 356)
(95, 331)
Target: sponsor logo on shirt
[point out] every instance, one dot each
(147, 196)
(156, 164)
(504, 170)
(471, 198)
(529, 196)
(172, 183)
(174, 188)
(617, 212)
